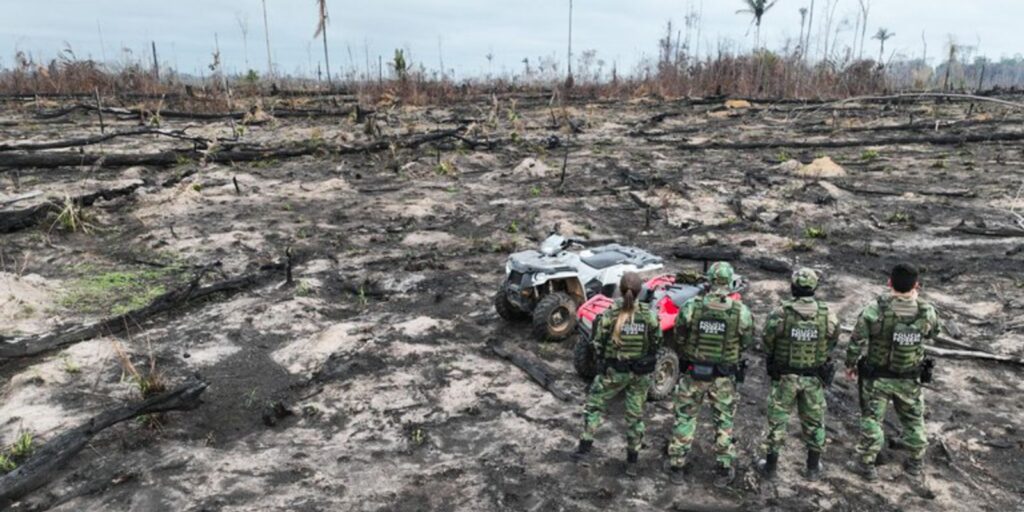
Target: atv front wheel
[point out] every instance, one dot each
(584, 359)
(666, 373)
(506, 309)
(554, 317)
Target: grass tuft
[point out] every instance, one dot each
(815, 232)
(72, 218)
(120, 291)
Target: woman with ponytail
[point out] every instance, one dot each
(626, 337)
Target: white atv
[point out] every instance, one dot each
(548, 285)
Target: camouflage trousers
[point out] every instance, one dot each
(907, 399)
(689, 396)
(809, 395)
(607, 386)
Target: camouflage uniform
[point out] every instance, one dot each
(712, 331)
(798, 338)
(634, 345)
(895, 329)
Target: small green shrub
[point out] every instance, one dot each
(815, 232)
(23, 446)
(6, 464)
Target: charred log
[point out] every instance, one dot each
(69, 335)
(46, 464)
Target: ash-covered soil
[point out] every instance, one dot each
(369, 384)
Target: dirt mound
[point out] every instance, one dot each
(822, 167)
(531, 167)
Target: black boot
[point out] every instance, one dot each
(813, 465)
(914, 467)
(866, 470)
(582, 454)
(768, 466)
(631, 458)
(726, 474)
(677, 475)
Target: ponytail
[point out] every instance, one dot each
(630, 286)
(628, 301)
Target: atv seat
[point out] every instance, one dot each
(604, 259)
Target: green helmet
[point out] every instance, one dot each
(720, 274)
(806, 278)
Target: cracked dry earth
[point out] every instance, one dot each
(369, 384)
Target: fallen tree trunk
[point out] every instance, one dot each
(12, 220)
(538, 370)
(993, 232)
(47, 462)
(206, 116)
(96, 139)
(960, 353)
(925, 126)
(833, 143)
(972, 354)
(710, 254)
(175, 157)
(707, 253)
(69, 335)
(891, 191)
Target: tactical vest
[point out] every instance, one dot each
(634, 338)
(897, 345)
(801, 343)
(714, 335)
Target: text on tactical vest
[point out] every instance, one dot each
(632, 329)
(711, 327)
(906, 338)
(803, 334)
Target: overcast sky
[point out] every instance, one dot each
(468, 30)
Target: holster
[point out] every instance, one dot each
(927, 370)
(640, 366)
(866, 371)
(710, 371)
(827, 372)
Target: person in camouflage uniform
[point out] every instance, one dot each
(627, 337)
(798, 338)
(895, 328)
(712, 332)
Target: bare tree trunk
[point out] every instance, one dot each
(949, 65)
(327, 60)
(266, 33)
(865, 6)
(803, 21)
(810, 23)
(568, 78)
(856, 32)
(156, 63)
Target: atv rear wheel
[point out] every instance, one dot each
(584, 358)
(666, 373)
(554, 317)
(506, 309)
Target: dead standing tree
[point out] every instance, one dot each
(568, 79)
(266, 34)
(321, 30)
(243, 25)
(882, 36)
(865, 6)
(757, 9)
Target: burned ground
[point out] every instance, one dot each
(369, 383)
